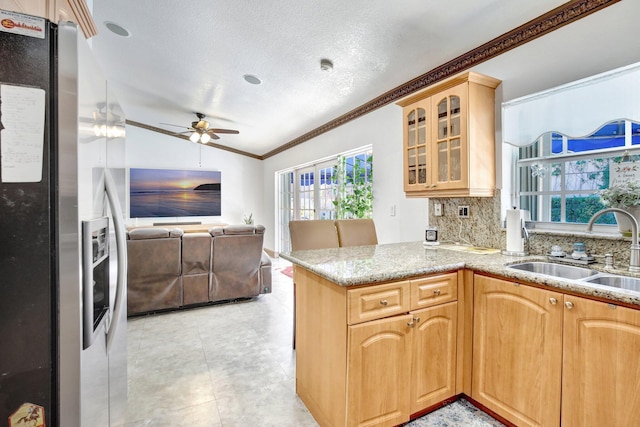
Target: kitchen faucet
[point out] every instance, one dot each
(525, 234)
(634, 262)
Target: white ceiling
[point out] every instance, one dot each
(190, 56)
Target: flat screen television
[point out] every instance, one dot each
(157, 193)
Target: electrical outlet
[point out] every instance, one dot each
(463, 211)
(437, 209)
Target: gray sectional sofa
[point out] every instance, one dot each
(169, 269)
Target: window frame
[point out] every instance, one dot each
(284, 212)
(562, 158)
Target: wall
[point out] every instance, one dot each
(241, 175)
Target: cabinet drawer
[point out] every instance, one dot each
(434, 290)
(375, 302)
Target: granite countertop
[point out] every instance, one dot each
(359, 265)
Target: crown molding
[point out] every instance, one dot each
(186, 138)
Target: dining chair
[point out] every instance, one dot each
(306, 235)
(356, 232)
(313, 234)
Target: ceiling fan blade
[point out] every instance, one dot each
(213, 135)
(231, 131)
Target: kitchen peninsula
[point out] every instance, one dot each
(386, 332)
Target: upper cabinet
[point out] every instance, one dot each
(449, 138)
(56, 10)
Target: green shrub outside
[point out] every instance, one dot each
(580, 210)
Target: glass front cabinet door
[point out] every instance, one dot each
(447, 147)
(416, 151)
(449, 138)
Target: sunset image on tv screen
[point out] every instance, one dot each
(174, 193)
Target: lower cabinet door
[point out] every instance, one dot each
(517, 351)
(433, 368)
(378, 366)
(601, 367)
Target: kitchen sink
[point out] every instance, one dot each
(580, 274)
(621, 282)
(555, 270)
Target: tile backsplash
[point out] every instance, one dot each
(483, 228)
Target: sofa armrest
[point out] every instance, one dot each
(265, 273)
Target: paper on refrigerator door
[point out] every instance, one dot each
(21, 133)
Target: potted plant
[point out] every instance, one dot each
(625, 195)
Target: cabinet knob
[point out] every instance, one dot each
(553, 301)
(568, 304)
(416, 319)
(410, 323)
(436, 292)
(384, 302)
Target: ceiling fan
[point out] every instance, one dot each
(201, 132)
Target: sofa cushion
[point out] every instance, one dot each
(154, 274)
(196, 253)
(148, 233)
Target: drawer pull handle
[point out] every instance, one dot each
(436, 292)
(569, 305)
(553, 301)
(384, 302)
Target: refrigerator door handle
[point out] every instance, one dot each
(118, 221)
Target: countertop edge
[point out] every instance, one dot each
(490, 264)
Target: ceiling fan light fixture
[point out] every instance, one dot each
(194, 137)
(205, 138)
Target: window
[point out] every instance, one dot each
(557, 177)
(353, 186)
(327, 189)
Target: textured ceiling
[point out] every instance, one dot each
(190, 56)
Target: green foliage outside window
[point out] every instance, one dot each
(354, 190)
(580, 210)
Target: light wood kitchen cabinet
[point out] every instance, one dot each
(517, 351)
(56, 10)
(449, 138)
(601, 369)
(372, 356)
(433, 367)
(378, 372)
(375, 302)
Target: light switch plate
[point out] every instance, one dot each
(437, 209)
(463, 211)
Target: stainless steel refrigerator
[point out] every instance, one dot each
(62, 248)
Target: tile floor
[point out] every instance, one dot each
(232, 365)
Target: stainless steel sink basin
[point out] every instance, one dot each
(621, 282)
(555, 270)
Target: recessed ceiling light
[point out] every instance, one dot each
(250, 78)
(117, 29)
